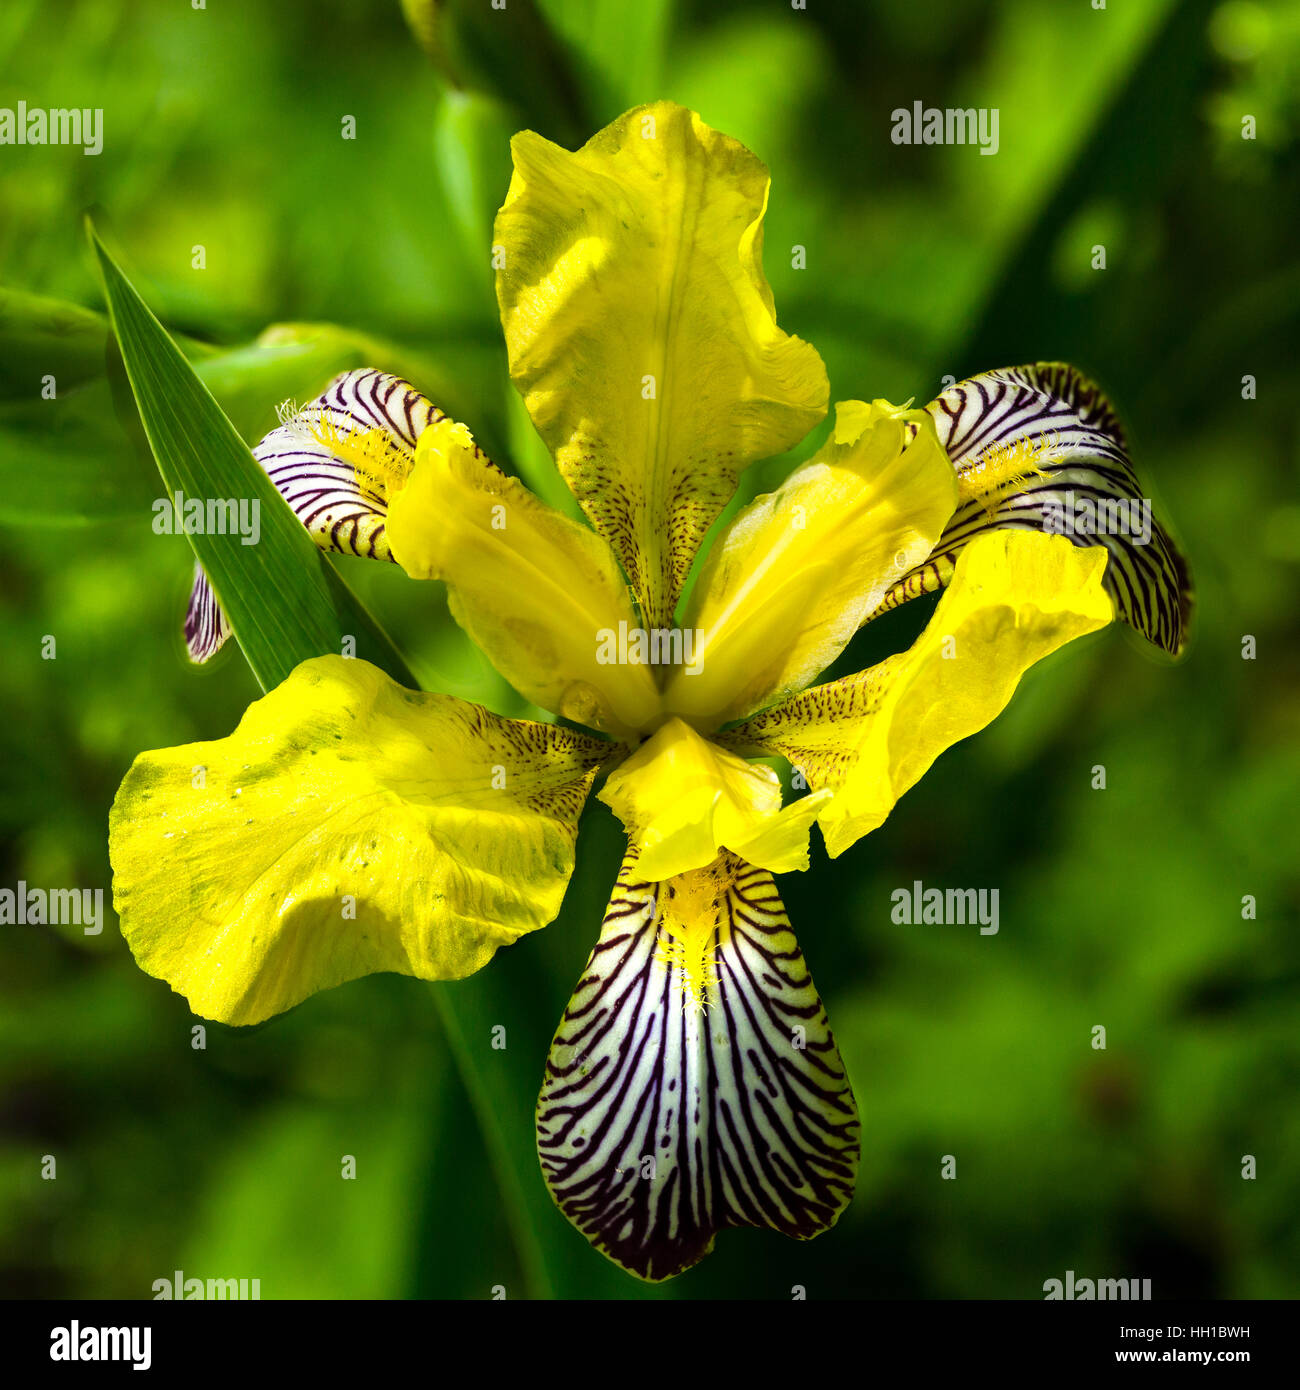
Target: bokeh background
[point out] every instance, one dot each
(1120, 127)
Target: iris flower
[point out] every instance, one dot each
(351, 825)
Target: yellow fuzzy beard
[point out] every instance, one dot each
(376, 458)
(1004, 468)
(691, 911)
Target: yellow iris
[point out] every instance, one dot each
(349, 825)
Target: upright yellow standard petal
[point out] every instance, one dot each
(1015, 597)
(642, 333)
(790, 580)
(348, 825)
(538, 593)
(683, 800)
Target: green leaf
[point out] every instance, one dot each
(295, 361)
(510, 53)
(617, 50)
(72, 451)
(471, 141)
(285, 601)
(42, 337)
(507, 1131)
(78, 456)
(67, 461)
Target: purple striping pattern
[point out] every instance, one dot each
(1087, 457)
(344, 512)
(660, 1122)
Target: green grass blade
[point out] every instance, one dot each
(507, 1134)
(284, 599)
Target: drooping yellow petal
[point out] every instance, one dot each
(694, 1084)
(642, 333)
(1040, 446)
(537, 592)
(683, 799)
(787, 584)
(348, 825)
(1015, 597)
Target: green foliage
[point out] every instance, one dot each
(1120, 907)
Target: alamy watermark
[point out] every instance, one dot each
(53, 907)
(928, 125)
(1129, 1290)
(179, 515)
(959, 907)
(659, 646)
(177, 1286)
(77, 1343)
(1085, 515)
(24, 125)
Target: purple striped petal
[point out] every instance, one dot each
(206, 628)
(694, 1083)
(1039, 448)
(332, 460)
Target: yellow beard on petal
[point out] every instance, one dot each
(692, 928)
(376, 458)
(1004, 467)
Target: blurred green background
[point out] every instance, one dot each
(1123, 907)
